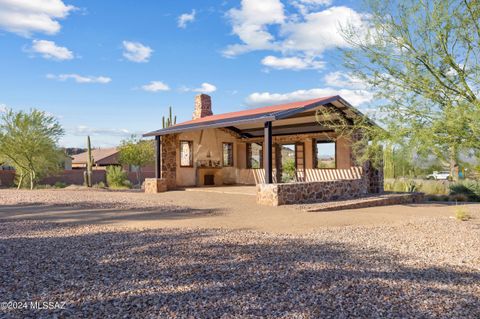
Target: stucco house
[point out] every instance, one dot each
(102, 157)
(255, 147)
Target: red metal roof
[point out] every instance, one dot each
(262, 114)
(261, 110)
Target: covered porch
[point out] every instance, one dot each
(272, 147)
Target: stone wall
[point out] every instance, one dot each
(373, 177)
(169, 158)
(309, 192)
(155, 185)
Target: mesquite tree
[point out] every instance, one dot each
(137, 152)
(421, 59)
(28, 142)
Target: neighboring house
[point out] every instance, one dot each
(247, 147)
(102, 158)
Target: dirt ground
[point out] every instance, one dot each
(203, 254)
(199, 209)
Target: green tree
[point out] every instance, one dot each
(137, 152)
(421, 59)
(28, 142)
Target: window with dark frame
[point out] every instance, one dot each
(254, 155)
(186, 154)
(227, 154)
(325, 154)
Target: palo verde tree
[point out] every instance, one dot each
(137, 152)
(28, 142)
(421, 59)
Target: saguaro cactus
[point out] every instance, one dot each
(170, 121)
(87, 175)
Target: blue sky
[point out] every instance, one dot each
(111, 68)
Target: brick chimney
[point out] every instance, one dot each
(203, 106)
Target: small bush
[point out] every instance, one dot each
(410, 186)
(458, 198)
(99, 185)
(461, 213)
(60, 185)
(117, 178)
(434, 187)
(470, 189)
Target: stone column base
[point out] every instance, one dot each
(155, 185)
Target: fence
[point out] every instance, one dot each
(71, 177)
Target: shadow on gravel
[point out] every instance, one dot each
(88, 213)
(210, 274)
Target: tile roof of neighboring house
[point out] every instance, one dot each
(267, 113)
(99, 155)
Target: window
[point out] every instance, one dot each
(254, 155)
(325, 154)
(186, 153)
(227, 154)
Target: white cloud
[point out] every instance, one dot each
(185, 19)
(155, 86)
(250, 24)
(79, 78)
(292, 63)
(136, 52)
(355, 97)
(321, 30)
(204, 88)
(300, 37)
(305, 6)
(82, 130)
(25, 17)
(50, 50)
(3, 108)
(341, 79)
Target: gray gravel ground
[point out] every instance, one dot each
(424, 269)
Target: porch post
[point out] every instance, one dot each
(268, 158)
(158, 157)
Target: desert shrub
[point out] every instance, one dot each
(60, 185)
(388, 186)
(117, 178)
(402, 186)
(470, 189)
(461, 213)
(458, 198)
(99, 185)
(410, 186)
(434, 188)
(288, 171)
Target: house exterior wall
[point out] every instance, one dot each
(210, 141)
(205, 141)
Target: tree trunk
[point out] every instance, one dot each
(31, 180)
(139, 171)
(20, 180)
(453, 162)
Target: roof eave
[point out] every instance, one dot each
(213, 124)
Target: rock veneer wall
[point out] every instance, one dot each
(169, 160)
(155, 185)
(309, 192)
(373, 177)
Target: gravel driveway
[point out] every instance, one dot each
(424, 268)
